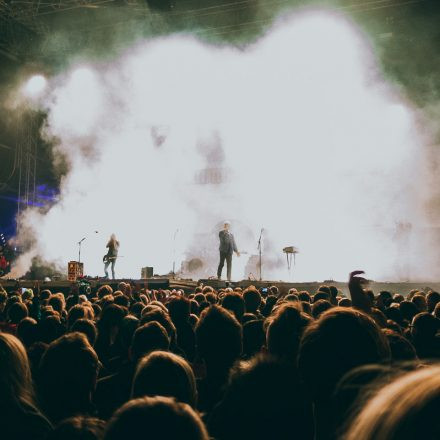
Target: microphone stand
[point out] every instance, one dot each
(79, 249)
(259, 249)
(174, 253)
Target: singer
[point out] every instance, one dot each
(111, 256)
(227, 247)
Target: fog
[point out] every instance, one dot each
(298, 133)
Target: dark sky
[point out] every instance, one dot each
(405, 33)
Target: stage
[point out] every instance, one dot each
(188, 285)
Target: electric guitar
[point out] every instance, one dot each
(109, 258)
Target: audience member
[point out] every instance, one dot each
(219, 344)
(405, 409)
(78, 428)
(19, 416)
(115, 389)
(340, 340)
(284, 331)
(269, 363)
(162, 373)
(67, 377)
(155, 418)
(264, 400)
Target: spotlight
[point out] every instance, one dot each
(35, 86)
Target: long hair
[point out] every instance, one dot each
(113, 241)
(405, 409)
(16, 386)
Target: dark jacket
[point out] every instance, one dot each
(227, 242)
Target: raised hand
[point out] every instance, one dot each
(359, 298)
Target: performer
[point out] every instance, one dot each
(227, 247)
(111, 256)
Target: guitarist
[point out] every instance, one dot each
(227, 247)
(111, 256)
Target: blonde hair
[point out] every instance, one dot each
(404, 409)
(15, 375)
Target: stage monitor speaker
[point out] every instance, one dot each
(147, 272)
(215, 283)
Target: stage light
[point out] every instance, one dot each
(35, 86)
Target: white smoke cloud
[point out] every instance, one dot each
(316, 148)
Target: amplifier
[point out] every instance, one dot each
(146, 272)
(75, 270)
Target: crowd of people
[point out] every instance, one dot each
(6, 256)
(225, 365)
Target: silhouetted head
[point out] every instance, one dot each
(395, 315)
(285, 328)
(158, 418)
(67, 376)
(264, 400)
(436, 311)
(50, 328)
(78, 428)
(104, 290)
(420, 302)
(165, 374)
(344, 302)
(304, 296)
(58, 302)
(252, 300)
(234, 302)
(218, 337)
(16, 312)
(340, 340)
(401, 349)
(398, 298)
(254, 338)
(408, 310)
(355, 388)
(163, 318)
(322, 294)
(79, 311)
(424, 326)
(432, 299)
(405, 409)
(320, 306)
(27, 331)
(16, 387)
(147, 338)
(179, 308)
(87, 327)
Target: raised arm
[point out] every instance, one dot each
(360, 300)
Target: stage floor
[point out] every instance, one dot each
(189, 285)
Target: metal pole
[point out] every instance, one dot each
(174, 253)
(79, 249)
(259, 249)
